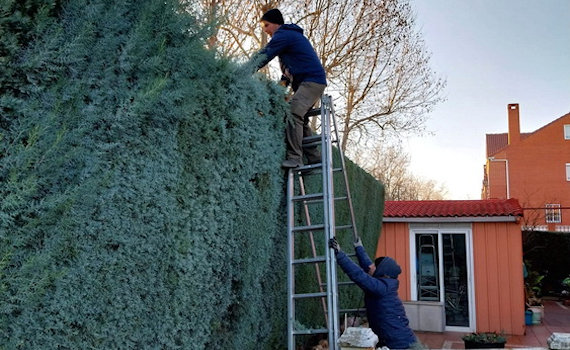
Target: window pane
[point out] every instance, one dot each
(455, 280)
(567, 132)
(427, 269)
(553, 213)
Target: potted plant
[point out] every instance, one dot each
(533, 289)
(484, 340)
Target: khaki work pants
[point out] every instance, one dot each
(304, 98)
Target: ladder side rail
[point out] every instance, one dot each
(348, 194)
(290, 267)
(345, 175)
(329, 221)
(313, 248)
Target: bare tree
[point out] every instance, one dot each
(376, 63)
(390, 165)
(377, 66)
(238, 32)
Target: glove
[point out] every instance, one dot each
(358, 242)
(333, 244)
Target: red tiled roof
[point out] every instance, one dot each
(453, 208)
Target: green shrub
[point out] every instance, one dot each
(141, 195)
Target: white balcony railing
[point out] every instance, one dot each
(544, 228)
(534, 228)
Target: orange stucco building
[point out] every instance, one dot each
(533, 168)
(464, 257)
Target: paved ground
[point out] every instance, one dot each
(556, 319)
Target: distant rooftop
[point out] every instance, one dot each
(496, 142)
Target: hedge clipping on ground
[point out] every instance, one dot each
(141, 195)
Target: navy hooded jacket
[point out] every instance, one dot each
(384, 309)
(298, 58)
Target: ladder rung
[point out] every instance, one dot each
(310, 331)
(347, 283)
(308, 197)
(347, 311)
(341, 284)
(317, 259)
(318, 227)
(308, 167)
(313, 112)
(311, 139)
(316, 198)
(311, 144)
(310, 295)
(308, 228)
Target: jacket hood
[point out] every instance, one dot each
(291, 26)
(387, 267)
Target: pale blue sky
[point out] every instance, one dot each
(492, 53)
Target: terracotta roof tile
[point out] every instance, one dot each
(496, 142)
(453, 208)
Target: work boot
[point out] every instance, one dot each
(314, 160)
(291, 163)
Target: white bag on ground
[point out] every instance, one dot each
(358, 338)
(559, 341)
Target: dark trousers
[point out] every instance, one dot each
(304, 98)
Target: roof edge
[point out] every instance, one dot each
(523, 135)
(507, 218)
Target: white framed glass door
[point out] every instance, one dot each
(441, 271)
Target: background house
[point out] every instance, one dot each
(465, 256)
(534, 168)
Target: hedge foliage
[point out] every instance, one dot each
(141, 195)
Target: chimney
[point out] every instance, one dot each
(514, 123)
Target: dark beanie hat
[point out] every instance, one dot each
(378, 261)
(273, 16)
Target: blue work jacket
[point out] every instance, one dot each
(299, 60)
(384, 309)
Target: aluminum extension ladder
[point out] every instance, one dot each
(327, 292)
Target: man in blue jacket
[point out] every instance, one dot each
(384, 309)
(301, 69)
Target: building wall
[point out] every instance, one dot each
(497, 174)
(395, 243)
(498, 274)
(536, 172)
(498, 278)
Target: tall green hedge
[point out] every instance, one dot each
(141, 195)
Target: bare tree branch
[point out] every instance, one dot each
(390, 165)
